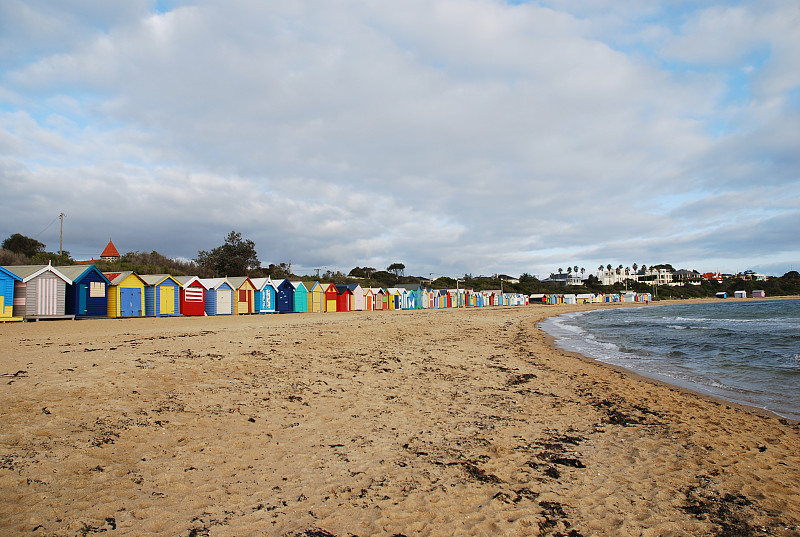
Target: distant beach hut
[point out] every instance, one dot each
(759, 293)
(192, 297)
(285, 297)
(87, 295)
(344, 298)
(316, 297)
(7, 279)
(722, 294)
(264, 295)
(125, 294)
(740, 294)
(538, 298)
(369, 299)
(219, 296)
(331, 297)
(300, 298)
(162, 295)
(243, 296)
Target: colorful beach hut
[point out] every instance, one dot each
(162, 295)
(344, 298)
(300, 298)
(264, 295)
(40, 292)
(219, 296)
(285, 297)
(125, 294)
(331, 297)
(243, 295)
(192, 296)
(316, 297)
(7, 280)
(87, 295)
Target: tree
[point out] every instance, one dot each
(237, 257)
(20, 244)
(398, 269)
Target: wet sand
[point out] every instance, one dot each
(449, 422)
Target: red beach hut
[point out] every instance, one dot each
(193, 295)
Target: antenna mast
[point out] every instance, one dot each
(61, 235)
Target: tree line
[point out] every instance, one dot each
(237, 257)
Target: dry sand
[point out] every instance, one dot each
(450, 422)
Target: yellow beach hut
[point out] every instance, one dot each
(125, 294)
(243, 295)
(315, 297)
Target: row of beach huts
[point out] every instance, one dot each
(32, 292)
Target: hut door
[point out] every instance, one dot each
(224, 297)
(167, 299)
(130, 302)
(83, 290)
(46, 296)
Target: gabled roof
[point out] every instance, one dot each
(261, 283)
(156, 279)
(214, 283)
(238, 281)
(8, 272)
(110, 250)
(28, 272)
(186, 281)
(77, 272)
(117, 278)
(298, 284)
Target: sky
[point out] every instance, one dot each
(453, 136)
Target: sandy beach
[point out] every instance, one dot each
(446, 422)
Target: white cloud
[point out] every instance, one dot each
(453, 136)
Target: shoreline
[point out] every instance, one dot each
(551, 341)
(432, 422)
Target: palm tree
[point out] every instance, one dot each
(583, 271)
(635, 266)
(560, 270)
(575, 269)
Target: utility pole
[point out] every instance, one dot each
(61, 235)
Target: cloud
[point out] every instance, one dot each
(452, 136)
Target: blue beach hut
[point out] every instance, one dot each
(87, 295)
(7, 279)
(162, 295)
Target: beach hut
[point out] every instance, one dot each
(125, 294)
(264, 295)
(369, 299)
(162, 295)
(243, 295)
(759, 293)
(284, 298)
(331, 296)
(740, 294)
(316, 297)
(7, 279)
(40, 292)
(300, 297)
(219, 296)
(192, 296)
(722, 294)
(87, 295)
(344, 298)
(357, 299)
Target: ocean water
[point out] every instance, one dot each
(742, 351)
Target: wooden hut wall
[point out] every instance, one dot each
(126, 298)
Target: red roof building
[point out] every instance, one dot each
(110, 253)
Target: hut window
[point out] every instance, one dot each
(97, 289)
